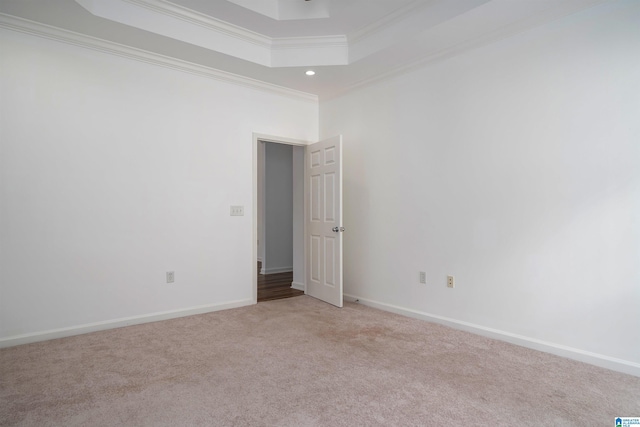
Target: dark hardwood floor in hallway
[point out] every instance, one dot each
(275, 286)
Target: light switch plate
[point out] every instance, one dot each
(237, 210)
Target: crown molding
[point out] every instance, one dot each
(245, 44)
(100, 45)
(310, 42)
(237, 41)
(194, 17)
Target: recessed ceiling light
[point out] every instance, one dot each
(310, 73)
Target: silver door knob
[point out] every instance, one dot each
(337, 229)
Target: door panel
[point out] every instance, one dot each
(323, 174)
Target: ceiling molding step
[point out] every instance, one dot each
(478, 41)
(388, 20)
(211, 23)
(284, 10)
(26, 26)
(166, 19)
(309, 51)
(171, 20)
(413, 22)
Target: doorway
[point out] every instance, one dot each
(280, 229)
(318, 244)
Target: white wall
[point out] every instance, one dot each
(514, 167)
(278, 205)
(113, 172)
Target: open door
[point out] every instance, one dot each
(323, 180)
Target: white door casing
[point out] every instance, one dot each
(323, 199)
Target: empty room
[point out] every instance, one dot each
(462, 218)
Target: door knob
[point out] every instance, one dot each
(337, 229)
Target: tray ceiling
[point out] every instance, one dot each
(273, 42)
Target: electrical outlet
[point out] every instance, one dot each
(451, 282)
(423, 277)
(237, 211)
(170, 276)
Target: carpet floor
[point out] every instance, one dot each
(301, 362)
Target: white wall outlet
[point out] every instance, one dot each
(170, 276)
(451, 282)
(237, 210)
(423, 277)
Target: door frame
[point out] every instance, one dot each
(257, 138)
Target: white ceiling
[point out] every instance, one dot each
(257, 40)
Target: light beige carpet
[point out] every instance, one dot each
(300, 362)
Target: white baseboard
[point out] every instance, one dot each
(117, 323)
(299, 286)
(273, 270)
(603, 361)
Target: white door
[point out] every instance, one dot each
(323, 180)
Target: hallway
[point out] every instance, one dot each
(276, 286)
